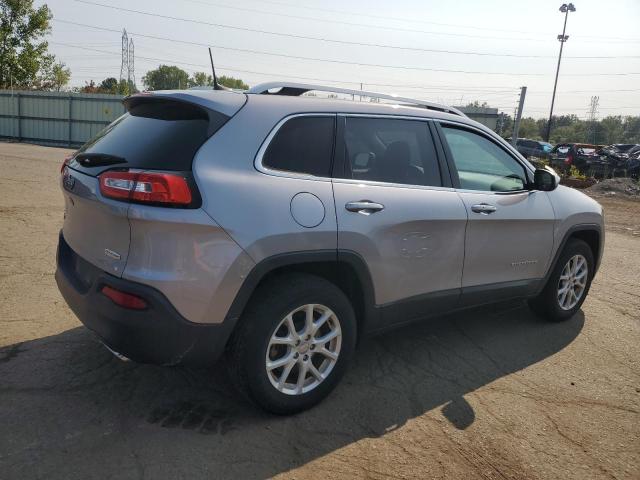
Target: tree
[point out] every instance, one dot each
(166, 77)
(24, 58)
(477, 104)
(89, 87)
(232, 82)
(612, 129)
(60, 76)
(109, 85)
(201, 79)
(528, 129)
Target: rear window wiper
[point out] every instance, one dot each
(98, 159)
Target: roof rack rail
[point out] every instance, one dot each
(297, 89)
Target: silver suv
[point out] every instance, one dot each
(279, 228)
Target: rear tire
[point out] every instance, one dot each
(568, 285)
(275, 330)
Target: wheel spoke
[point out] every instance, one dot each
(308, 320)
(288, 321)
(285, 374)
(563, 297)
(328, 353)
(315, 372)
(283, 341)
(572, 297)
(302, 376)
(321, 321)
(281, 362)
(326, 338)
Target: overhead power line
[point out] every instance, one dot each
(353, 24)
(341, 42)
(410, 20)
(345, 62)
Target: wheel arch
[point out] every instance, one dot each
(346, 269)
(590, 233)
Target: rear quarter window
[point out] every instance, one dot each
(302, 145)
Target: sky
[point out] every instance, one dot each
(452, 52)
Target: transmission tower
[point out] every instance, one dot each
(131, 74)
(593, 113)
(124, 65)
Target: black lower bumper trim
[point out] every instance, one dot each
(157, 335)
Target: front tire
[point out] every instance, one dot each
(569, 283)
(293, 343)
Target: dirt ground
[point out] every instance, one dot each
(493, 393)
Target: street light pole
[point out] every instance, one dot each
(564, 8)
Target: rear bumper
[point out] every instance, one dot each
(157, 334)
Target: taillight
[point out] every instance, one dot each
(146, 187)
(569, 159)
(124, 299)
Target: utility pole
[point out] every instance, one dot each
(516, 124)
(564, 8)
(593, 113)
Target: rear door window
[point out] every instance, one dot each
(390, 150)
(302, 145)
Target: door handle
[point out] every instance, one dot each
(365, 207)
(483, 208)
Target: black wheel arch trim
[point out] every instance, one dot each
(337, 258)
(582, 227)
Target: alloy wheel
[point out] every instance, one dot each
(303, 349)
(573, 282)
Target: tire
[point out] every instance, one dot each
(548, 304)
(265, 317)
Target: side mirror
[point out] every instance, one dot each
(545, 179)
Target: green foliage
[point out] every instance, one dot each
(528, 128)
(232, 82)
(60, 76)
(201, 79)
(166, 77)
(575, 173)
(571, 129)
(477, 104)
(24, 60)
(108, 85)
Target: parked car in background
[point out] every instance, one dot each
(617, 157)
(633, 163)
(533, 148)
(584, 156)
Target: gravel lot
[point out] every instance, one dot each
(493, 393)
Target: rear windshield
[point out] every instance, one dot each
(160, 135)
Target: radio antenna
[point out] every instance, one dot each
(216, 85)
